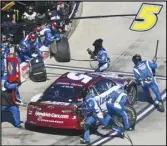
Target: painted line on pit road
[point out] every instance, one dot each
(149, 109)
(86, 69)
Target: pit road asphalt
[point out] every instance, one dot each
(121, 44)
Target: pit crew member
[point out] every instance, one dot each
(101, 54)
(5, 51)
(144, 75)
(93, 114)
(8, 103)
(29, 14)
(51, 33)
(116, 102)
(29, 45)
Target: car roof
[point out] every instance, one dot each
(66, 79)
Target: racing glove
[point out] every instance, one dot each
(100, 115)
(154, 59)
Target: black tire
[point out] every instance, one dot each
(132, 93)
(132, 116)
(29, 126)
(37, 72)
(61, 50)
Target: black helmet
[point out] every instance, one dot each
(136, 58)
(98, 43)
(30, 9)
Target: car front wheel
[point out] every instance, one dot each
(132, 94)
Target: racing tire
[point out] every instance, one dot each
(132, 117)
(132, 93)
(61, 50)
(29, 126)
(37, 72)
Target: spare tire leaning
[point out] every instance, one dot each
(61, 50)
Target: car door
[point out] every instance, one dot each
(104, 88)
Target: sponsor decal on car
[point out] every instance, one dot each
(51, 121)
(56, 103)
(45, 114)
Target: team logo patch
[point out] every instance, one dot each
(10, 68)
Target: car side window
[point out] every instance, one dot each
(92, 91)
(110, 84)
(101, 86)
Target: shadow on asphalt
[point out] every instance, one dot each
(54, 131)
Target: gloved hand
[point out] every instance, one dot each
(89, 51)
(95, 57)
(100, 115)
(154, 59)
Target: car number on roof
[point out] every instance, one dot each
(78, 76)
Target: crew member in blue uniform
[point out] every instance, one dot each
(5, 51)
(29, 45)
(144, 75)
(100, 54)
(116, 102)
(10, 102)
(51, 33)
(92, 113)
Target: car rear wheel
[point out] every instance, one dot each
(29, 126)
(132, 94)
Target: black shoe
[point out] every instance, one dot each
(82, 141)
(20, 127)
(130, 128)
(161, 107)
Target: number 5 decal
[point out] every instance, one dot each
(76, 76)
(146, 17)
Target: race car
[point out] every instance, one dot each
(57, 106)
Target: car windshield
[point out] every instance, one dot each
(62, 93)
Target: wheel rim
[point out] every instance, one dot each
(132, 95)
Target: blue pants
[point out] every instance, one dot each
(15, 113)
(2, 67)
(102, 67)
(92, 120)
(154, 87)
(120, 109)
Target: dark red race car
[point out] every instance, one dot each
(57, 107)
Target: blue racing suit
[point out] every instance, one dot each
(26, 47)
(102, 59)
(116, 103)
(143, 73)
(92, 114)
(50, 35)
(5, 51)
(7, 102)
(6, 85)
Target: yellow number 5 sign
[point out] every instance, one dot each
(146, 17)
